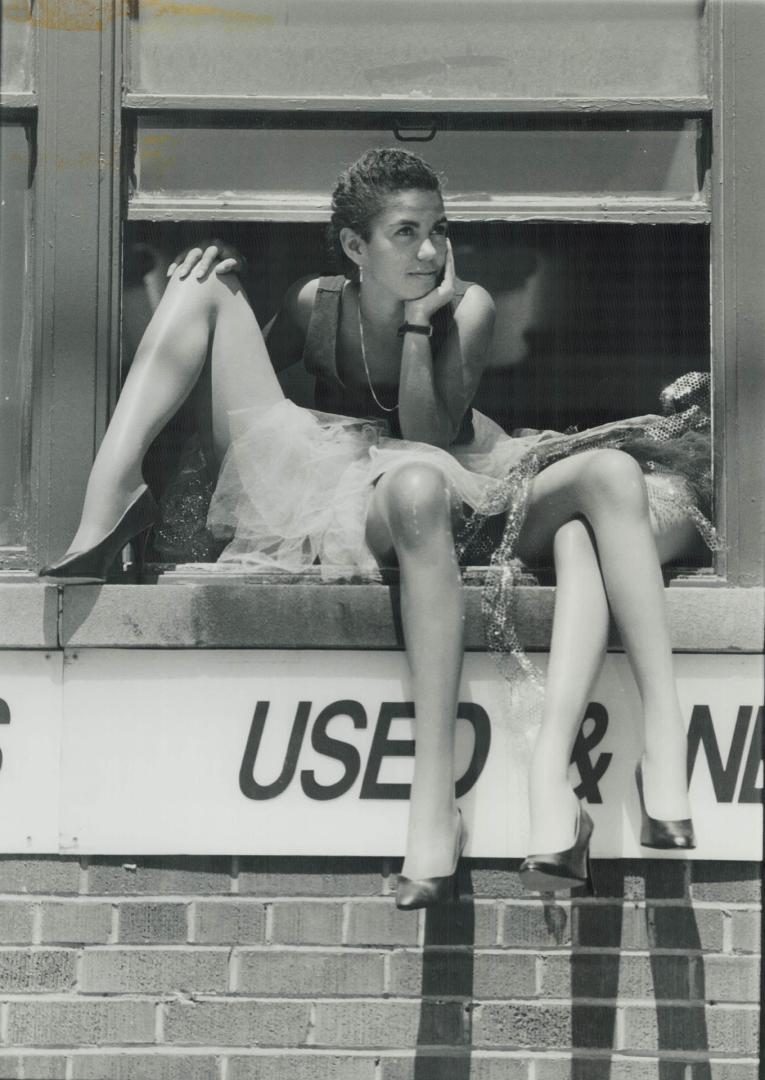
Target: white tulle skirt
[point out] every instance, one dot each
(295, 485)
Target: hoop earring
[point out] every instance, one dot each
(361, 276)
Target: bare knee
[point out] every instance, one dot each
(202, 297)
(613, 483)
(572, 542)
(418, 505)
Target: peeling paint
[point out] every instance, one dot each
(90, 15)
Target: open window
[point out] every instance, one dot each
(591, 233)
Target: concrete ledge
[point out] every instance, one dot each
(237, 615)
(28, 615)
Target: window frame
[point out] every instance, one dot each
(77, 261)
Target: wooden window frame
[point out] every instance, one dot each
(80, 208)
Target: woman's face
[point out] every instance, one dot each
(406, 249)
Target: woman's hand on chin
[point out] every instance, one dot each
(214, 255)
(423, 309)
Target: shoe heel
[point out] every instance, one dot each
(569, 869)
(658, 833)
(413, 893)
(93, 565)
(136, 548)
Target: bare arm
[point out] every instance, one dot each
(436, 391)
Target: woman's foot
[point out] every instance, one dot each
(553, 812)
(92, 564)
(665, 781)
(429, 890)
(432, 846)
(101, 515)
(549, 871)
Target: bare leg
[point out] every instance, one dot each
(192, 318)
(607, 487)
(577, 650)
(411, 516)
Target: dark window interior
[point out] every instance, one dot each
(593, 319)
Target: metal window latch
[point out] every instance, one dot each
(405, 131)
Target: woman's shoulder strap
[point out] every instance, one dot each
(320, 348)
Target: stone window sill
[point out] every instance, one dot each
(305, 614)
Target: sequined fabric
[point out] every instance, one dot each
(656, 442)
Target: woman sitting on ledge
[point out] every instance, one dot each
(384, 472)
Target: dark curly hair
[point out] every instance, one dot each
(362, 188)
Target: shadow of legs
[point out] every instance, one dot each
(447, 989)
(678, 978)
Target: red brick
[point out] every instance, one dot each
(16, 921)
(15, 1066)
(518, 1026)
(371, 1024)
(307, 922)
(691, 1027)
(154, 971)
(421, 1066)
(379, 922)
(667, 879)
(312, 1065)
(304, 973)
(615, 975)
(467, 923)
(615, 1067)
(26, 971)
(610, 926)
(310, 876)
(496, 881)
(235, 922)
(684, 927)
(642, 1068)
(148, 923)
(55, 874)
(153, 1064)
(746, 931)
(731, 978)
(237, 1023)
(726, 882)
(80, 1023)
(608, 1068)
(536, 924)
(76, 922)
(727, 1070)
(464, 973)
(181, 875)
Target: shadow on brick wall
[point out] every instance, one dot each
(612, 980)
(447, 988)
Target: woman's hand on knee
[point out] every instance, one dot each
(202, 258)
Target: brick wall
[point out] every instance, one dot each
(290, 969)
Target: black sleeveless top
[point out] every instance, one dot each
(331, 394)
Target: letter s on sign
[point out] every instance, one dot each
(5, 718)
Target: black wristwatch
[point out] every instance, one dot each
(415, 328)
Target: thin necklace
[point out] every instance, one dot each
(384, 408)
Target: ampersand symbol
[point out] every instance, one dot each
(590, 774)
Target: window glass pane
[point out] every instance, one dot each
(593, 321)
(16, 46)
(484, 161)
(15, 330)
(475, 49)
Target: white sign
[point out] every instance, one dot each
(31, 707)
(309, 752)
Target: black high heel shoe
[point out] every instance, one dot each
(567, 869)
(413, 893)
(660, 834)
(92, 565)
